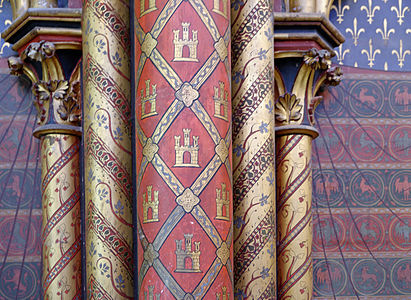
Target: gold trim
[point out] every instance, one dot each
(287, 54)
(296, 129)
(43, 14)
(279, 81)
(57, 129)
(57, 31)
(302, 20)
(303, 36)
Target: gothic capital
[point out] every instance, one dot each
(56, 97)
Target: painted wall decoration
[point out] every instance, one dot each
(20, 202)
(183, 149)
(361, 184)
(377, 33)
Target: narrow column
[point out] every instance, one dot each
(61, 215)
(294, 120)
(107, 150)
(294, 226)
(183, 149)
(58, 102)
(253, 142)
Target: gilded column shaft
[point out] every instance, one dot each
(107, 150)
(253, 142)
(60, 191)
(294, 118)
(58, 102)
(294, 228)
(183, 149)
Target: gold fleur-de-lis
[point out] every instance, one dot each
(341, 54)
(340, 11)
(354, 32)
(370, 10)
(371, 53)
(386, 32)
(401, 55)
(400, 11)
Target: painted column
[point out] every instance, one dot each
(58, 102)
(107, 150)
(253, 160)
(183, 149)
(294, 120)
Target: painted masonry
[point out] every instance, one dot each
(179, 163)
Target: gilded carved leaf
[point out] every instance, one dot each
(45, 92)
(69, 109)
(288, 109)
(41, 97)
(59, 88)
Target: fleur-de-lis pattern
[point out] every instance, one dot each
(184, 151)
(377, 33)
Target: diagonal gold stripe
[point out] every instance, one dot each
(167, 175)
(168, 73)
(205, 16)
(164, 16)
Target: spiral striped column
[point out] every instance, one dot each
(60, 191)
(294, 228)
(253, 143)
(183, 149)
(107, 150)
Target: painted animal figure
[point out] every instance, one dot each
(367, 232)
(367, 143)
(403, 187)
(366, 99)
(404, 274)
(323, 276)
(367, 276)
(365, 187)
(403, 98)
(15, 280)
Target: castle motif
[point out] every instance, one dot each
(223, 203)
(179, 44)
(220, 102)
(151, 293)
(225, 295)
(188, 261)
(192, 150)
(151, 7)
(217, 9)
(150, 99)
(150, 204)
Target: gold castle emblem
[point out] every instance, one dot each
(223, 203)
(188, 260)
(191, 150)
(151, 7)
(148, 98)
(217, 8)
(179, 44)
(151, 294)
(224, 295)
(150, 204)
(220, 101)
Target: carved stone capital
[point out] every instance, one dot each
(57, 98)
